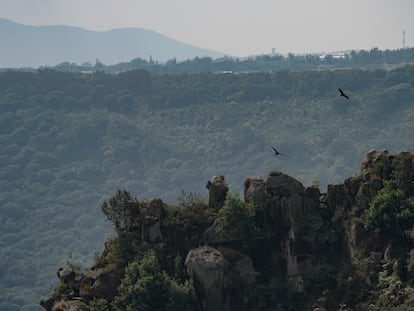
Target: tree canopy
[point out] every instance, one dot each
(69, 138)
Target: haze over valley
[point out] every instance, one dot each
(37, 46)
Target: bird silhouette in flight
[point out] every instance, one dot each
(278, 153)
(343, 94)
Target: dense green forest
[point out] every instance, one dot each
(70, 139)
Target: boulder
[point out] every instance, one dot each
(47, 304)
(99, 283)
(70, 305)
(64, 305)
(280, 184)
(71, 278)
(217, 285)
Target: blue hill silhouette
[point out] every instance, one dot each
(35, 46)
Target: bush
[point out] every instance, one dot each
(118, 209)
(390, 211)
(99, 305)
(279, 295)
(146, 287)
(235, 220)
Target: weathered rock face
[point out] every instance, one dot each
(255, 191)
(71, 278)
(241, 264)
(99, 283)
(70, 305)
(217, 286)
(281, 206)
(224, 270)
(68, 289)
(349, 199)
(282, 185)
(217, 190)
(366, 250)
(376, 165)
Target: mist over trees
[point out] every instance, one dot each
(35, 46)
(372, 59)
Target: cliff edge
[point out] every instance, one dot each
(283, 246)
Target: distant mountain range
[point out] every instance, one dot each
(35, 46)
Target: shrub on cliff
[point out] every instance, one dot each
(235, 220)
(146, 287)
(278, 294)
(390, 211)
(117, 209)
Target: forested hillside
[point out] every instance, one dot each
(370, 60)
(69, 139)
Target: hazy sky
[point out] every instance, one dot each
(237, 27)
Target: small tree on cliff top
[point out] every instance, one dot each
(390, 211)
(122, 210)
(116, 210)
(235, 220)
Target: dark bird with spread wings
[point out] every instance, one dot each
(343, 94)
(277, 152)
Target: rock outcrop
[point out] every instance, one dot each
(216, 285)
(350, 199)
(376, 261)
(280, 204)
(99, 283)
(70, 305)
(217, 190)
(297, 231)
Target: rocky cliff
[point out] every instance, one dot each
(283, 247)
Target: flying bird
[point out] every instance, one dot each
(343, 94)
(277, 152)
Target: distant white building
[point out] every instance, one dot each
(336, 55)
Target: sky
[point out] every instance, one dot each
(237, 27)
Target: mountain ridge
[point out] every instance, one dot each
(36, 46)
